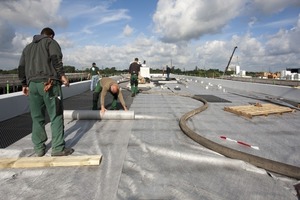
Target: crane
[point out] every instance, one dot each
(229, 60)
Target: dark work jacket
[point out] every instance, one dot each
(168, 70)
(134, 68)
(41, 60)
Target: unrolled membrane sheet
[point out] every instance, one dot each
(96, 114)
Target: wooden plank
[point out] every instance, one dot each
(59, 161)
(237, 112)
(257, 110)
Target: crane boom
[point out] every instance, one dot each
(230, 60)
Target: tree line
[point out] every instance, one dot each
(210, 73)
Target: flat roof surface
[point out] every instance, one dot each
(151, 158)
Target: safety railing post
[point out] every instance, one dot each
(7, 87)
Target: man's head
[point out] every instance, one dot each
(48, 31)
(136, 59)
(114, 88)
(94, 64)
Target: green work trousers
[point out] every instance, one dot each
(52, 102)
(134, 83)
(96, 95)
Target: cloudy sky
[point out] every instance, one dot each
(189, 33)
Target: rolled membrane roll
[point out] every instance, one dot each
(96, 114)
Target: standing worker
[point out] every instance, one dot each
(41, 73)
(134, 70)
(94, 76)
(168, 72)
(144, 64)
(105, 85)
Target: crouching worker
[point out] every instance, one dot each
(104, 86)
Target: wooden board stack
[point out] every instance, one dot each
(258, 110)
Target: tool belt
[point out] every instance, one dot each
(48, 85)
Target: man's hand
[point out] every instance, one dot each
(65, 81)
(102, 110)
(48, 85)
(25, 90)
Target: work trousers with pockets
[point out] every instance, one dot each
(52, 102)
(134, 83)
(96, 95)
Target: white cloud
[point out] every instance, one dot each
(65, 42)
(88, 18)
(252, 21)
(177, 20)
(25, 14)
(274, 6)
(31, 13)
(127, 31)
(193, 33)
(285, 42)
(156, 53)
(108, 17)
(20, 41)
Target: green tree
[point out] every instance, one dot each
(69, 69)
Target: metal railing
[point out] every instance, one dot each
(10, 83)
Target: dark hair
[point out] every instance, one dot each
(136, 59)
(94, 64)
(47, 31)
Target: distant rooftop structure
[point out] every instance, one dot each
(293, 70)
(291, 74)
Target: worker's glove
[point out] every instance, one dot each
(48, 85)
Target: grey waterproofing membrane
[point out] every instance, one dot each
(151, 158)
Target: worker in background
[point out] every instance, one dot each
(168, 72)
(144, 64)
(94, 76)
(134, 70)
(104, 86)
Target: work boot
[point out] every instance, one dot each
(40, 153)
(40, 150)
(65, 152)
